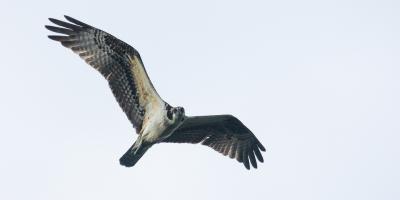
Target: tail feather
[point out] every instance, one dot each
(132, 156)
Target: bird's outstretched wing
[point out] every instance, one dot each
(118, 62)
(224, 133)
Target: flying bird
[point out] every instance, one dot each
(155, 120)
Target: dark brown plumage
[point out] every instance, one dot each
(154, 119)
(224, 133)
(110, 56)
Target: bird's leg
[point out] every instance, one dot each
(138, 143)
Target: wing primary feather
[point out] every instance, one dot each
(239, 156)
(258, 154)
(75, 21)
(65, 24)
(59, 38)
(245, 159)
(252, 159)
(260, 146)
(60, 30)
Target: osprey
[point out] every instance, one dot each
(154, 119)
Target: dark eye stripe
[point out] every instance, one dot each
(169, 114)
(169, 111)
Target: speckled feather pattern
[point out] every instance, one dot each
(225, 134)
(122, 67)
(111, 57)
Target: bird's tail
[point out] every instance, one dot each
(132, 156)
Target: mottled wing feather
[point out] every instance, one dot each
(118, 62)
(225, 134)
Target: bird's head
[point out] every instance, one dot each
(175, 114)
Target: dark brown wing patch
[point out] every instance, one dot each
(225, 134)
(110, 56)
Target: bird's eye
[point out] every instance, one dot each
(169, 114)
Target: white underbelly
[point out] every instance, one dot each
(154, 130)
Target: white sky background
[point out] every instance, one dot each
(317, 82)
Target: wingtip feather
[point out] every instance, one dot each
(75, 21)
(51, 19)
(253, 160)
(258, 155)
(52, 37)
(262, 148)
(58, 38)
(59, 30)
(246, 160)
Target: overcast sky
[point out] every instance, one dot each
(317, 82)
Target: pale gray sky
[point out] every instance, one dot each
(318, 82)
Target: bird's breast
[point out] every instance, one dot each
(156, 129)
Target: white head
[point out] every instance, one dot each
(175, 114)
